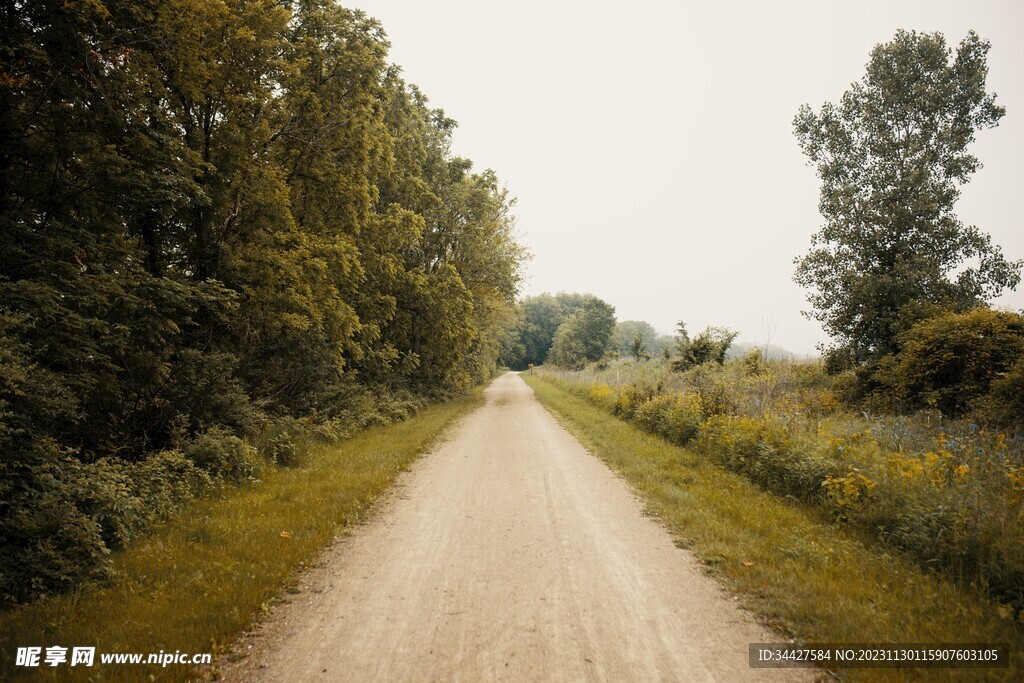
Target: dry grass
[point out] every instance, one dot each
(196, 582)
(786, 562)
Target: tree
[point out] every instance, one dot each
(626, 330)
(638, 348)
(539, 317)
(891, 156)
(584, 336)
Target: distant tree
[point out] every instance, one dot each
(567, 348)
(539, 317)
(638, 347)
(890, 156)
(626, 330)
(585, 336)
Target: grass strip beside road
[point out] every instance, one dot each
(196, 582)
(785, 561)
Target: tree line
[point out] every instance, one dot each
(572, 330)
(219, 219)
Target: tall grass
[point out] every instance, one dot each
(200, 579)
(948, 493)
(808, 577)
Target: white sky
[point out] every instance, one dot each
(650, 143)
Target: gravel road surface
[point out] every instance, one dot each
(507, 553)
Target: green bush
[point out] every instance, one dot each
(47, 543)
(62, 517)
(764, 450)
(715, 386)
(1005, 403)
(632, 397)
(224, 456)
(282, 439)
(165, 481)
(950, 361)
(677, 417)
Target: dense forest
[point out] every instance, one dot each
(224, 224)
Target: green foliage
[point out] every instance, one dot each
(533, 332)
(945, 492)
(755, 363)
(890, 156)
(625, 336)
(584, 336)
(631, 397)
(710, 346)
(950, 361)
(638, 348)
(215, 216)
(677, 417)
(62, 517)
(224, 455)
(1005, 402)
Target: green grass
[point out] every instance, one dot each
(783, 559)
(196, 582)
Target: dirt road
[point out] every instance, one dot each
(508, 553)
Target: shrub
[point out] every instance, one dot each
(165, 481)
(677, 417)
(224, 456)
(47, 543)
(1005, 403)
(710, 346)
(763, 450)
(717, 391)
(203, 391)
(754, 362)
(280, 441)
(950, 361)
(632, 397)
(601, 394)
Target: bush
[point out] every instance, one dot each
(710, 346)
(763, 450)
(281, 439)
(165, 481)
(47, 543)
(1005, 403)
(601, 394)
(950, 361)
(203, 391)
(677, 417)
(62, 517)
(632, 397)
(717, 390)
(224, 456)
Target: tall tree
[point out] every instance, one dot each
(891, 156)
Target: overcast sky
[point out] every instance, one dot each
(650, 143)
